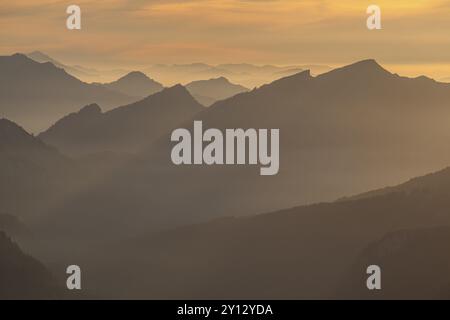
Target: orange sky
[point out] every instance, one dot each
(130, 33)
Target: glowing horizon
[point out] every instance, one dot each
(132, 34)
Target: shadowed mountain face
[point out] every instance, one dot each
(125, 129)
(316, 251)
(23, 277)
(135, 84)
(209, 91)
(36, 94)
(29, 170)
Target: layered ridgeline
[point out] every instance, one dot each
(37, 94)
(209, 91)
(76, 71)
(353, 129)
(316, 251)
(341, 133)
(128, 128)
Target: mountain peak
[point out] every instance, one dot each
(221, 79)
(135, 84)
(177, 89)
(19, 57)
(367, 64)
(90, 109)
(135, 75)
(368, 67)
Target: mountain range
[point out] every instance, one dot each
(344, 132)
(22, 276)
(353, 129)
(37, 94)
(127, 128)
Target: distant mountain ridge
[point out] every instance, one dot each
(341, 133)
(246, 74)
(209, 91)
(36, 94)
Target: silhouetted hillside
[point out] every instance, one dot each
(127, 128)
(414, 265)
(36, 94)
(316, 251)
(22, 276)
(209, 91)
(135, 84)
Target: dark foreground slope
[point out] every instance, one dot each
(22, 276)
(316, 251)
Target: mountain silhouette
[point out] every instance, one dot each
(36, 94)
(135, 84)
(124, 129)
(76, 71)
(209, 91)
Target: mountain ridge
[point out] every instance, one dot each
(35, 94)
(125, 128)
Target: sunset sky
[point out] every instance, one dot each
(129, 33)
